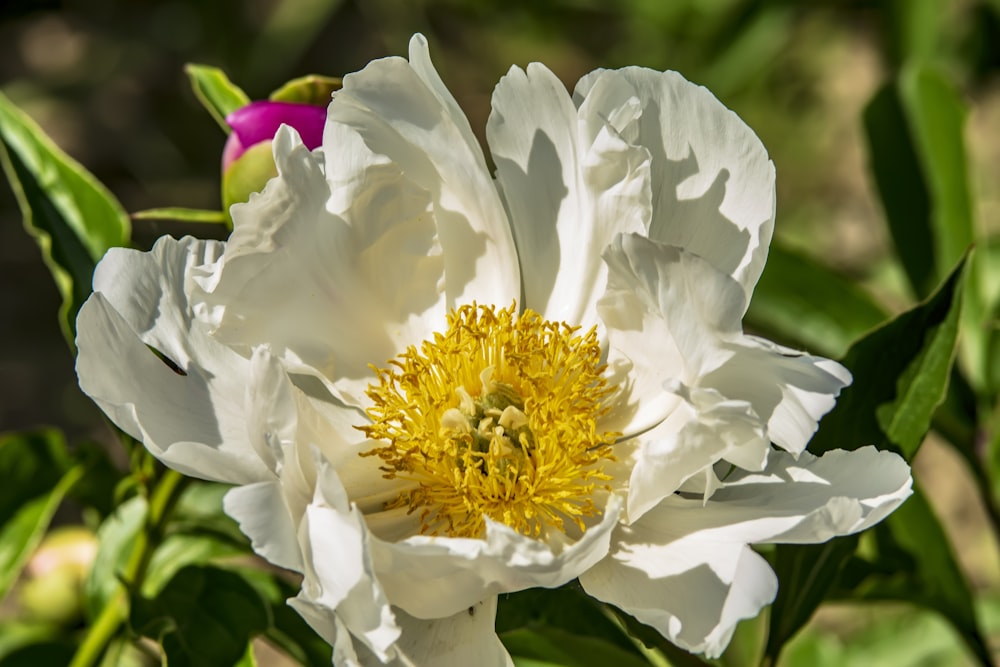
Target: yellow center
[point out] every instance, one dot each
(496, 417)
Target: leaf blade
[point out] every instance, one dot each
(70, 214)
(901, 368)
(901, 372)
(801, 302)
(915, 564)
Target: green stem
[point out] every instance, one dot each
(115, 611)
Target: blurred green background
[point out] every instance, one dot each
(105, 79)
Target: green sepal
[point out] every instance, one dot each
(249, 174)
(216, 92)
(314, 89)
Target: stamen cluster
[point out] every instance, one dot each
(496, 417)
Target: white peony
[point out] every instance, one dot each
(432, 386)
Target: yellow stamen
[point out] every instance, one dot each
(496, 417)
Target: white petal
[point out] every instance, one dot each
(403, 112)
(705, 428)
(433, 577)
(675, 319)
(697, 606)
(193, 422)
(463, 639)
(813, 498)
(570, 183)
(684, 567)
(329, 626)
(666, 313)
(340, 585)
(285, 425)
(420, 61)
(263, 516)
(789, 390)
(151, 292)
(328, 295)
(713, 184)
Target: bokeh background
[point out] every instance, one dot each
(105, 79)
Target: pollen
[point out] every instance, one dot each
(496, 417)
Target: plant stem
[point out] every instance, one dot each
(115, 611)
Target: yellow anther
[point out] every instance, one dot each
(496, 417)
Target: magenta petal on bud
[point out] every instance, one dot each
(258, 121)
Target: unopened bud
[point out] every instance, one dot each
(247, 163)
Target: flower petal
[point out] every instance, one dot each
(713, 184)
(401, 110)
(434, 577)
(684, 567)
(696, 607)
(789, 390)
(570, 183)
(665, 312)
(261, 512)
(191, 418)
(462, 639)
(285, 424)
(673, 319)
(340, 587)
(330, 295)
(703, 429)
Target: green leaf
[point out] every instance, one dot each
(292, 634)
(180, 550)
(913, 562)
(568, 608)
(15, 634)
(199, 510)
(901, 373)
(124, 652)
(115, 538)
(800, 302)
(97, 486)
(805, 574)
(204, 616)
(20, 536)
(652, 639)
(913, 28)
(554, 647)
(288, 631)
(216, 92)
(31, 464)
(935, 115)
(915, 129)
(181, 214)
(72, 217)
(901, 185)
(880, 636)
(37, 475)
(52, 652)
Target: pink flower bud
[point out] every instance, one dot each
(258, 121)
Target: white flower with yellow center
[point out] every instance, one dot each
(433, 387)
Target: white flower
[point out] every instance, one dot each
(571, 394)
